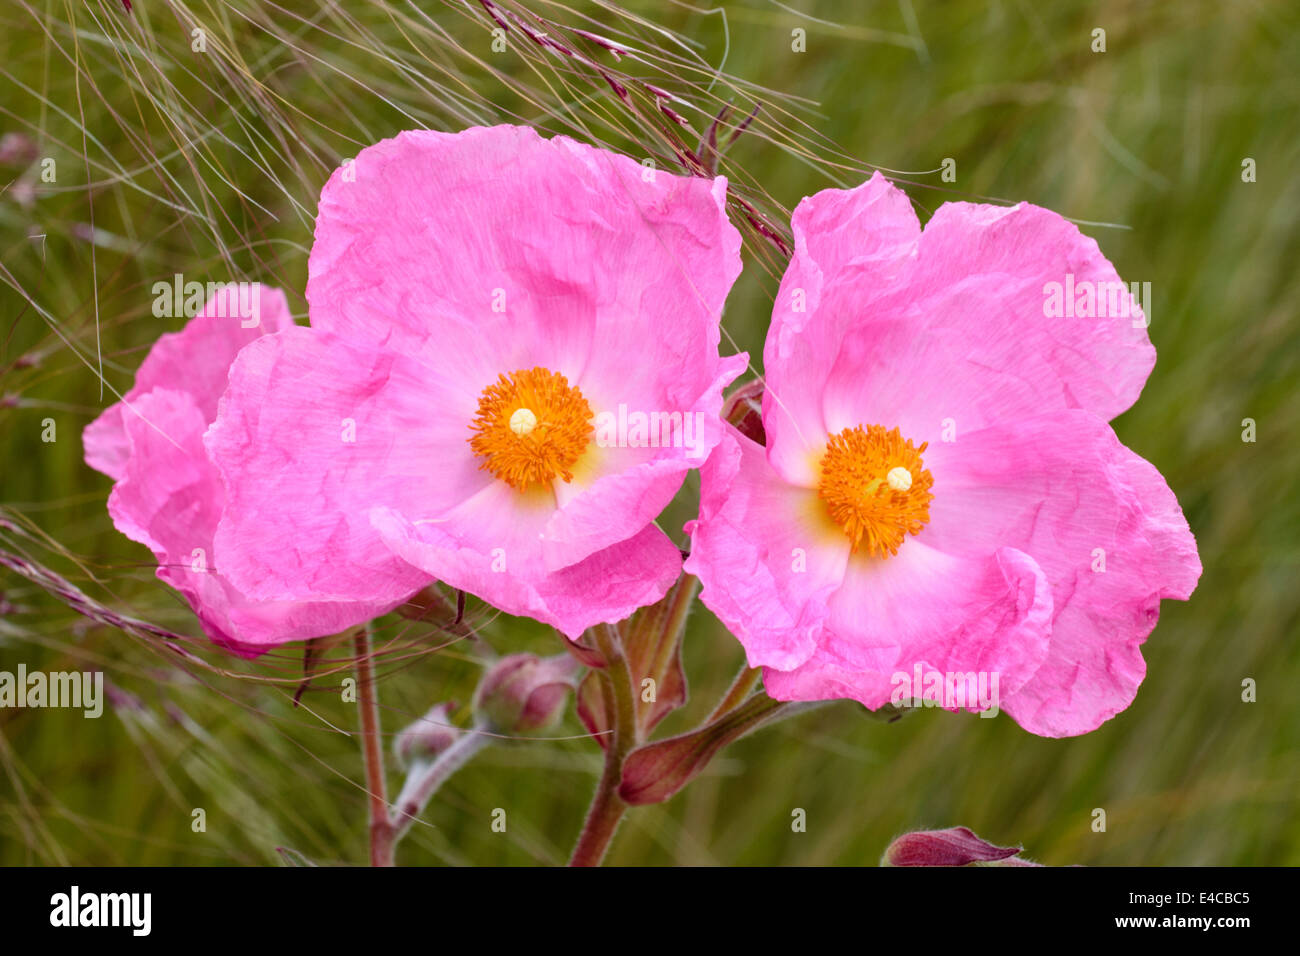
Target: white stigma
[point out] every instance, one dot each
(900, 479)
(523, 421)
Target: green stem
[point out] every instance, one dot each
(381, 832)
(607, 807)
(675, 619)
(741, 687)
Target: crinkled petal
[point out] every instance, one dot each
(194, 360)
(765, 553)
(603, 588)
(627, 487)
(312, 434)
(1005, 258)
(1105, 528)
(169, 498)
(925, 609)
(948, 329)
(493, 249)
(861, 238)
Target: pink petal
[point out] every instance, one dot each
(947, 324)
(922, 608)
(298, 490)
(861, 238)
(603, 588)
(169, 498)
(626, 488)
(493, 250)
(1005, 257)
(767, 558)
(1060, 487)
(194, 360)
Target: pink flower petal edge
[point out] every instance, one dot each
(168, 496)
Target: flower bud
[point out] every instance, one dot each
(427, 737)
(956, 846)
(428, 604)
(523, 693)
(744, 409)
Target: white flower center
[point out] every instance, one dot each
(900, 479)
(523, 421)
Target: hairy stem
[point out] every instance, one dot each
(607, 807)
(675, 617)
(381, 831)
(424, 781)
(741, 687)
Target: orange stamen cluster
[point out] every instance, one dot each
(875, 487)
(532, 426)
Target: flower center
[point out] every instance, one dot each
(875, 487)
(531, 426)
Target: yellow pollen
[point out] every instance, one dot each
(532, 426)
(875, 487)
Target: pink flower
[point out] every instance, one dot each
(940, 492)
(167, 493)
(493, 316)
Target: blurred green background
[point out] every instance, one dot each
(209, 162)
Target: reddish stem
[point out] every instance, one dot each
(607, 807)
(381, 830)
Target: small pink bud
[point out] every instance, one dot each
(23, 192)
(523, 693)
(427, 737)
(16, 149)
(956, 846)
